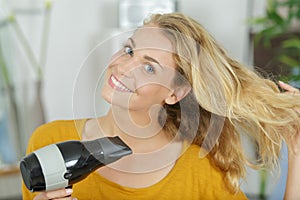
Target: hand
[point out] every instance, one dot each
(288, 88)
(291, 90)
(61, 194)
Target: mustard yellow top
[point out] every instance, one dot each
(191, 177)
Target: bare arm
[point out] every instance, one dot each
(293, 179)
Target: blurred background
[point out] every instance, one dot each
(49, 67)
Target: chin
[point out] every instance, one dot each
(106, 95)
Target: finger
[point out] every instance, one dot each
(287, 87)
(65, 198)
(54, 194)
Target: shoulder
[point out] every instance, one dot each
(53, 132)
(192, 153)
(191, 157)
(201, 166)
(209, 179)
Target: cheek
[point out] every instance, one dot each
(154, 82)
(116, 56)
(153, 92)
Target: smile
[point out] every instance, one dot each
(116, 84)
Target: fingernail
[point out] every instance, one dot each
(281, 82)
(69, 191)
(74, 199)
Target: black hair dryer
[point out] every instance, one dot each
(63, 164)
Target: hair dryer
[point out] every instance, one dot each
(63, 164)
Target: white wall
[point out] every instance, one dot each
(73, 28)
(226, 21)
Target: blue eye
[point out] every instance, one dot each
(128, 50)
(149, 69)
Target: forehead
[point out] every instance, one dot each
(152, 37)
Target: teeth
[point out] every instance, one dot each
(119, 85)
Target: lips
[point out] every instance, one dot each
(116, 84)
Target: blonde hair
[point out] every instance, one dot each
(223, 87)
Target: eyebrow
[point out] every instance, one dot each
(152, 60)
(132, 41)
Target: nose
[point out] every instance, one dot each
(126, 66)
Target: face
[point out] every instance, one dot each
(142, 73)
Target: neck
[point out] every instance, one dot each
(139, 130)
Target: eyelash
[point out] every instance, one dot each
(128, 50)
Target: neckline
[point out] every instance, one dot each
(80, 125)
(161, 182)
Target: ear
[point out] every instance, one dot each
(178, 94)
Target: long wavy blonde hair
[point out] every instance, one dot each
(222, 86)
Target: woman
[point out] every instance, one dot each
(181, 104)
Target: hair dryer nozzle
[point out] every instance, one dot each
(63, 164)
(113, 149)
